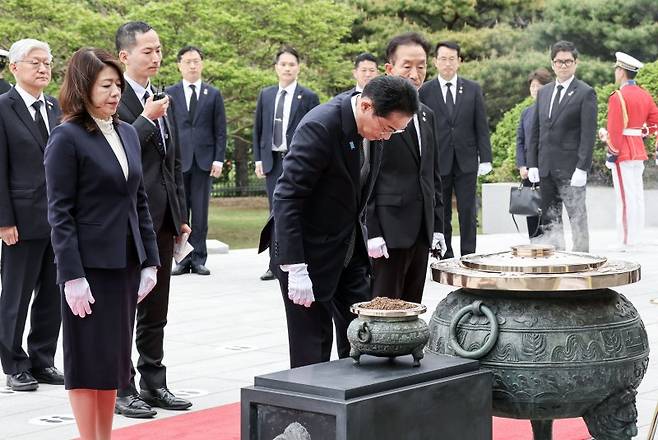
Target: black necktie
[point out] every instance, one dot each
(556, 101)
(161, 147)
(193, 101)
(38, 119)
(277, 137)
(450, 101)
(364, 156)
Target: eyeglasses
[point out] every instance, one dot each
(447, 59)
(564, 63)
(192, 62)
(35, 64)
(390, 131)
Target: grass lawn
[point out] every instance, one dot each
(237, 221)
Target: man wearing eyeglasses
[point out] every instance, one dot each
(463, 137)
(201, 122)
(560, 149)
(316, 233)
(405, 212)
(27, 117)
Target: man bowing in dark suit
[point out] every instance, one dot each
(27, 117)
(405, 213)
(201, 122)
(560, 150)
(463, 136)
(141, 53)
(278, 111)
(317, 231)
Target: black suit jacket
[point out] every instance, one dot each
(564, 142)
(303, 101)
(318, 200)
(22, 178)
(408, 187)
(91, 206)
(163, 177)
(463, 137)
(204, 138)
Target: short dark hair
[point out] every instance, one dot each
(392, 94)
(406, 39)
(450, 45)
(630, 74)
(286, 49)
(542, 75)
(81, 74)
(187, 49)
(126, 36)
(564, 46)
(3, 62)
(365, 56)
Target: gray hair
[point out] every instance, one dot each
(22, 48)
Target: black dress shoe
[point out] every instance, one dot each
(49, 375)
(268, 275)
(134, 407)
(180, 269)
(200, 269)
(165, 399)
(22, 381)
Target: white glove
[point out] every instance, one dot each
(603, 134)
(579, 178)
(439, 242)
(300, 287)
(608, 165)
(78, 296)
(377, 248)
(484, 168)
(147, 279)
(533, 175)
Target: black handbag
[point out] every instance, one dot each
(525, 200)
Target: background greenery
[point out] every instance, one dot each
(502, 41)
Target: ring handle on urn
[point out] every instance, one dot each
(363, 334)
(478, 309)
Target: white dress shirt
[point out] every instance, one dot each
(29, 100)
(566, 85)
(107, 128)
(287, 105)
(453, 88)
(188, 91)
(139, 91)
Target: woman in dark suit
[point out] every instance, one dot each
(536, 80)
(102, 235)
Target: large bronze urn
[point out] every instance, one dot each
(559, 341)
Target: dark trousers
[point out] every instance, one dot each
(310, 331)
(26, 267)
(554, 192)
(532, 220)
(274, 174)
(464, 185)
(152, 318)
(197, 192)
(402, 275)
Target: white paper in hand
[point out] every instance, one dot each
(182, 248)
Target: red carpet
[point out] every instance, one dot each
(223, 423)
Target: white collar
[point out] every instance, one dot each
(138, 88)
(565, 84)
(27, 97)
(196, 83)
(290, 88)
(452, 81)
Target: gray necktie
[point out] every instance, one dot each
(277, 136)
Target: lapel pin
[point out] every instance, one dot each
(299, 96)
(352, 147)
(461, 89)
(570, 93)
(205, 91)
(424, 119)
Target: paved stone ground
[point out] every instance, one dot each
(228, 327)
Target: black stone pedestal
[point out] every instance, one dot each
(446, 398)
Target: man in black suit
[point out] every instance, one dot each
(405, 213)
(365, 69)
(463, 136)
(278, 110)
(317, 231)
(140, 51)
(560, 150)
(201, 123)
(26, 118)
